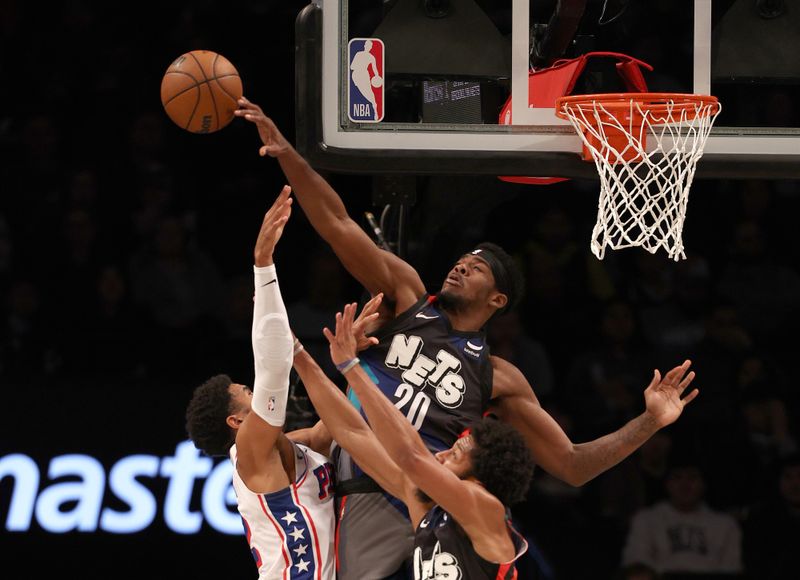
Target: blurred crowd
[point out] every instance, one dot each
(125, 253)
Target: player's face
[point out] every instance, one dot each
(458, 458)
(241, 398)
(470, 280)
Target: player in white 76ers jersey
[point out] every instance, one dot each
(283, 482)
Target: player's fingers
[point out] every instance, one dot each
(283, 210)
(263, 151)
(690, 397)
(675, 374)
(279, 202)
(656, 379)
(686, 381)
(338, 324)
(276, 214)
(348, 316)
(279, 227)
(373, 303)
(282, 196)
(328, 334)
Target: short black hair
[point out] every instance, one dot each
(508, 277)
(501, 460)
(208, 408)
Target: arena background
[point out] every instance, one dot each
(125, 253)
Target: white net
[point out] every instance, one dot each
(646, 149)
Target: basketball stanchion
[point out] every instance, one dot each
(646, 147)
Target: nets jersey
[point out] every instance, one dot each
(443, 550)
(438, 377)
(291, 531)
(441, 380)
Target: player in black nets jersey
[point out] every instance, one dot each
(458, 499)
(433, 364)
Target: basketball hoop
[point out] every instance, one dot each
(644, 187)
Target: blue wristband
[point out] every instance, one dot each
(347, 365)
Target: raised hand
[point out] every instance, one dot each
(363, 323)
(663, 396)
(343, 342)
(274, 142)
(272, 227)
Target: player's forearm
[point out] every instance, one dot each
(335, 411)
(272, 348)
(588, 460)
(321, 204)
(392, 429)
(347, 427)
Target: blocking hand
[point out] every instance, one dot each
(274, 142)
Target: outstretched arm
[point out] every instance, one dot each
(260, 434)
(348, 428)
(343, 422)
(515, 402)
(469, 504)
(376, 269)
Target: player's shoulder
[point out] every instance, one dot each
(505, 370)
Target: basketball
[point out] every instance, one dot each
(377, 82)
(199, 91)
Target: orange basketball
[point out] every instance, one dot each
(199, 91)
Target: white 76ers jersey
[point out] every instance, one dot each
(291, 531)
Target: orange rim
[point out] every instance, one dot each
(704, 105)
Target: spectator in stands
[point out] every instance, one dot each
(682, 534)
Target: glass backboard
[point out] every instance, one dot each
(456, 95)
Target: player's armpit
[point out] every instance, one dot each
(514, 401)
(508, 381)
(259, 465)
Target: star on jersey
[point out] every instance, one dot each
(297, 534)
(290, 518)
(300, 550)
(302, 566)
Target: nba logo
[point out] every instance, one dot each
(365, 85)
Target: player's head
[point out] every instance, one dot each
(487, 276)
(214, 414)
(367, 45)
(495, 454)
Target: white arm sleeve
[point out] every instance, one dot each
(272, 348)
